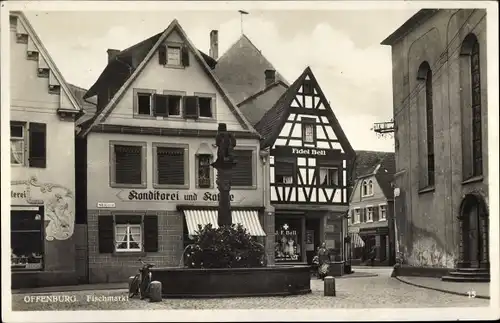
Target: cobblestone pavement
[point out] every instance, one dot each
(479, 289)
(380, 291)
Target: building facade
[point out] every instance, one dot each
(440, 114)
(42, 129)
(371, 208)
(148, 149)
(310, 167)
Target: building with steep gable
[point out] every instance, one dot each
(371, 208)
(310, 173)
(147, 151)
(44, 237)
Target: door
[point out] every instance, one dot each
(312, 240)
(473, 236)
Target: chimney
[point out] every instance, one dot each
(270, 77)
(112, 54)
(214, 44)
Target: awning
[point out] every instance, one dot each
(356, 240)
(249, 219)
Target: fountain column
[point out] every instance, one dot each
(224, 164)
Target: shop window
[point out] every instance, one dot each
(383, 212)
(128, 164)
(244, 168)
(36, 141)
(284, 170)
(288, 240)
(170, 165)
(369, 214)
(204, 171)
(26, 240)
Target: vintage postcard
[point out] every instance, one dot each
(249, 161)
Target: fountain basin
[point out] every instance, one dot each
(233, 282)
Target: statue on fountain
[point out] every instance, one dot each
(225, 143)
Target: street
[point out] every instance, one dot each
(379, 291)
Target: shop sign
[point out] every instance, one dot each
(18, 194)
(103, 205)
(306, 152)
(173, 196)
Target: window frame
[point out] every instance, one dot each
(285, 160)
(369, 219)
(328, 168)
(136, 93)
(367, 185)
(112, 163)
(253, 149)
(24, 140)
(305, 122)
(182, 94)
(128, 226)
(213, 103)
(173, 45)
(380, 208)
(210, 171)
(357, 215)
(477, 167)
(156, 185)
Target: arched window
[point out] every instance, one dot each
(471, 112)
(477, 155)
(365, 188)
(425, 75)
(370, 187)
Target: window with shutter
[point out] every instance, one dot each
(151, 233)
(17, 143)
(191, 107)
(174, 105)
(170, 166)
(173, 55)
(205, 107)
(144, 104)
(284, 170)
(105, 225)
(128, 164)
(243, 171)
(37, 145)
(375, 214)
(185, 56)
(161, 105)
(162, 55)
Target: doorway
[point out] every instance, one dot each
(313, 239)
(474, 233)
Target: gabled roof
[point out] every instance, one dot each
(89, 105)
(380, 164)
(255, 106)
(241, 70)
(273, 121)
(415, 20)
(144, 52)
(48, 59)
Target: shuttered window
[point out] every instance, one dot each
(160, 105)
(191, 107)
(128, 164)
(162, 55)
(37, 145)
(284, 170)
(243, 171)
(170, 166)
(185, 56)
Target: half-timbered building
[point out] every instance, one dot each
(310, 164)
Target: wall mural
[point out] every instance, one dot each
(58, 201)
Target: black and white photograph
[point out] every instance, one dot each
(249, 161)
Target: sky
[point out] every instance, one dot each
(342, 47)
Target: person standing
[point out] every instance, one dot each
(323, 258)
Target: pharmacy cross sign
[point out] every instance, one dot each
(285, 226)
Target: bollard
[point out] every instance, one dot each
(130, 279)
(329, 288)
(155, 291)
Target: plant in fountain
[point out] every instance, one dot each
(227, 246)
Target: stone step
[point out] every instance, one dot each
(461, 279)
(468, 274)
(474, 270)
